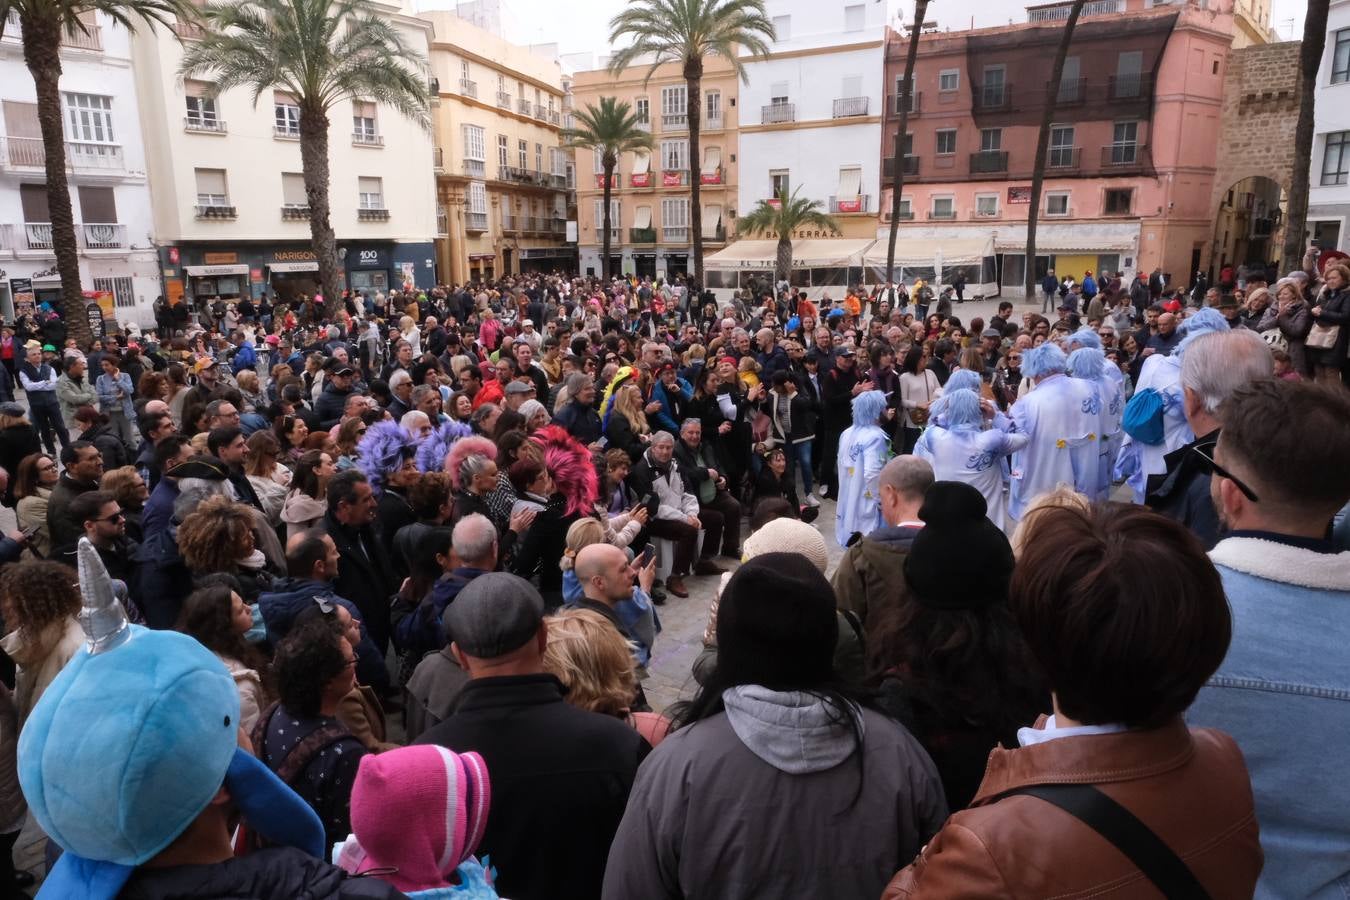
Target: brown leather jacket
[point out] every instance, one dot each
(1189, 786)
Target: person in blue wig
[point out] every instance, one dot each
(1060, 418)
(131, 763)
(864, 448)
(962, 447)
(1089, 365)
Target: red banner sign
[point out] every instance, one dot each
(850, 206)
(672, 179)
(643, 180)
(600, 181)
(711, 177)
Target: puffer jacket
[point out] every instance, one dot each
(279, 873)
(873, 569)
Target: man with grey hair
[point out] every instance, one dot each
(705, 473)
(484, 419)
(401, 388)
(871, 574)
(416, 425)
(1214, 366)
(579, 416)
(673, 510)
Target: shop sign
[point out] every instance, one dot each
(367, 258)
(220, 259)
(255, 276)
(294, 256)
(94, 313)
(21, 291)
(1019, 195)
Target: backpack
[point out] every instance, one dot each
(1143, 419)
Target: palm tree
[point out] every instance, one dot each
(782, 217)
(611, 130)
(1043, 143)
(898, 170)
(44, 23)
(322, 52)
(1309, 58)
(685, 32)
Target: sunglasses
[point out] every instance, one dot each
(115, 517)
(1206, 455)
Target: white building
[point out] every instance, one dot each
(106, 167)
(1329, 194)
(811, 112)
(230, 212)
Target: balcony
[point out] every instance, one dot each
(674, 121)
(714, 123)
(710, 177)
(859, 204)
(1130, 87)
(27, 153)
(366, 139)
(523, 106)
(1060, 12)
(895, 102)
(216, 211)
(675, 178)
(372, 214)
(984, 214)
(294, 212)
(80, 40)
(905, 215)
(468, 88)
(503, 100)
(102, 236)
(988, 162)
(6, 239)
(1069, 92)
(778, 113)
(642, 235)
(475, 221)
(1064, 212)
(640, 180)
(1125, 159)
(910, 169)
(554, 118)
(203, 125)
(475, 168)
(188, 31)
(287, 132)
(558, 181)
(558, 227)
(1064, 159)
(993, 97)
(540, 113)
(438, 159)
(942, 215)
(37, 236)
(644, 124)
(846, 107)
(716, 235)
(676, 235)
(510, 224)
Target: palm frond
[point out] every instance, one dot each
(666, 31)
(791, 213)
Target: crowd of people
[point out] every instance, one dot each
(367, 592)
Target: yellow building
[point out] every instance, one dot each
(1251, 21)
(501, 175)
(650, 218)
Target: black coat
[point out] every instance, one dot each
(114, 450)
(1182, 492)
(691, 472)
(560, 780)
(394, 512)
(330, 404)
(16, 442)
(621, 436)
(836, 388)
(365, 575)
(277, 873)
(62, 528)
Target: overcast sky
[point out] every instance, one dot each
(583, 26)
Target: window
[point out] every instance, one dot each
(370, 193)
(201, 105)
(1340, 58)
(211, 187)
(674, 105)
(946, 141)
(501, 83)
(523, 154)
(642, 109)
(674, 156)
(909, 144)
(1124, 143)
(89, 118)
(539, 157)
(992, 89)
(557, 162)
(949, 80)
(1129, 79)
(986, 204)
(614, 215)
(1336, 159)
(779, 183)
(1069, 81)
(906, 208)
(713, 108)
(286, 113)
(503, 151)
(675, 219)
(855, 17)
(98, 207)
(1117, 201)
(477, 197)
(782, 28)
(363, 122)
(1057, 204)
(473, 142)
(1061, 147)
(464, 69)
(293, 194)
(991, 140)
(120, 287)
(778, 93)
(944, 207)
(599, 161)
(902, 92)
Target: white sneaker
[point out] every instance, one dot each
(811, 500)
(823, 490)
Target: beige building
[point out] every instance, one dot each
(650, 218)
(501, 174)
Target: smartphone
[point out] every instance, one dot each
(646, 500)
(645, 559)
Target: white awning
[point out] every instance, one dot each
(850, 183)
(712, 218)
(818, 252)
(916, 252)
(1061, 237)
(200, 271)
(642, 162)
(308, 265)
(642, 217)
(712, 160)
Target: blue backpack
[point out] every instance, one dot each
(1143, 419)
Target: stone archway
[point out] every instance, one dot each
(1249, 224)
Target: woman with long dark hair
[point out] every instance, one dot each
(217, 616)
(771, 730)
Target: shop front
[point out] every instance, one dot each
(547, 259)
(369, 268)
(482, 266)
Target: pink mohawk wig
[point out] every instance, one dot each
(462, 450)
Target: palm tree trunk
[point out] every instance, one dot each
(1043, 145)
(898, 167)
(314, 162)
(608, 191)
(1309, 57)
(42, 54)
(693, 79)
(783, 265)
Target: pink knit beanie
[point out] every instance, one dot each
(420, 810)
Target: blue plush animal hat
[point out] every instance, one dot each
(131, 742)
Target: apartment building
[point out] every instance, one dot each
(105, 166)
(650, 202)
(812, 110)
(1130, 170)
(501, 172)
(1329, 194)
(230, 213)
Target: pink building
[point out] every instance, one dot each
(1131, 163)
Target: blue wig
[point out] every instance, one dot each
(963, 379)
(868, 407)
(962, 408)
(1047, 359)
(1204, 321)
(1087, 362)
(382, 451)
(1084, 337)
(432, 452)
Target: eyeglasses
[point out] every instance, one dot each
(1206, 455)
(115, 517)
(49, 467)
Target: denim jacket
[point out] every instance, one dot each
(108, 400)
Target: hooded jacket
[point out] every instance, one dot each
(872, 570)
(292, 596)
(823, 834)
(280, 873)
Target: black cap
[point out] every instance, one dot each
(202, 466)
(958, 536)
